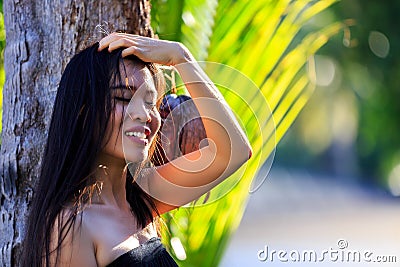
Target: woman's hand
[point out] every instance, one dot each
(147, 49)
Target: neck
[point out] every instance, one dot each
(111, 175)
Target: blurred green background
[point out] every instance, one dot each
(350, 126)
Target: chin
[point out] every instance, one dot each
(136, 156)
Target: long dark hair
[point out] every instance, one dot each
(82, 109)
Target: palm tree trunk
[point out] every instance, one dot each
(41, 38)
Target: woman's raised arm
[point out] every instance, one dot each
(188, 177)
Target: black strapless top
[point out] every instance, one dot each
(152, 253)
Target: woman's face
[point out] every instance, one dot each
(136, 108)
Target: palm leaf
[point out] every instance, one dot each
(261, 40)
(198, 20)
(166, 18)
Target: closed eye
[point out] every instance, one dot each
(151, 105)
(126, 100)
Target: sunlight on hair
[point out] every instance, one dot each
(104, 168)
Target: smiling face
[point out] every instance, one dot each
(136, 111)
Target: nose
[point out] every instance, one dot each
(138, 112)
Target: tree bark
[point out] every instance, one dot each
(42, 36)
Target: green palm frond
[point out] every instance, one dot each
(262, 41)
(198, 20)
(166, 18)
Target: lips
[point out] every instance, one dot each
(138, 134)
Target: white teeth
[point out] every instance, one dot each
(136, 134)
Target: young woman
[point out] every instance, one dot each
(98, 194)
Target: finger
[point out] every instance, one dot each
(132, 50)
(119, 43)
(138, 39)
(126, 35)
(106, 41)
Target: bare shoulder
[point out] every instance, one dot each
(71, 243)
